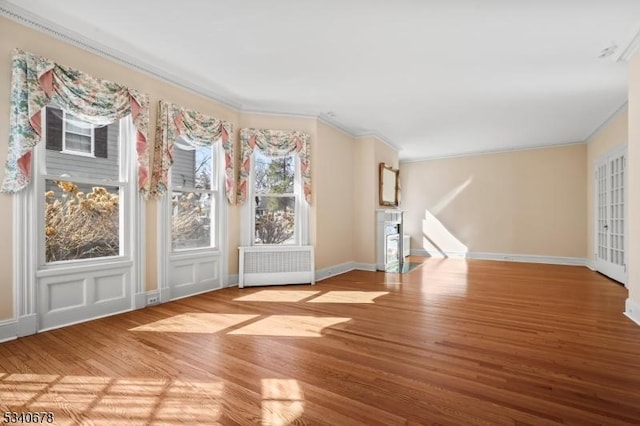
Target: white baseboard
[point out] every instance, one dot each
(508, 257)
(334, 270)
(232, 280)
(366, 267)
(632, 310)
(591, 264)
(8, 330)
(529, 258)
(448, 254)
(165, 295)
(27, 325)
(140, 300)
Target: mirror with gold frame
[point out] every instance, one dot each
(389, 182)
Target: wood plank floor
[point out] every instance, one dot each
(453, 343)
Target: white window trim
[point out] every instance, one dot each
(125, 185)
(71, 151)
(216, 192)
(28, 238)
(301, 231)
(164, 250)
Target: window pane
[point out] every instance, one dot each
(78, 143)
(81, 221)
(76, 125)
(204, 167)
(182, 170)
(192, 166)
(275, 220)
(191, 220)
(274, 175)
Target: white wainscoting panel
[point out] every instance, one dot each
(194, 274)
(8, 330)
(69, 298)
(632, 310)
(110, 287)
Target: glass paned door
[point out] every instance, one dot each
(610, 220)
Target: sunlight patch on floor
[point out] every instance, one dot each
(282, 402)
(196, 323)
(289, 326)
(337, 296)
(348, 297)
(113, 401)
(277, 296)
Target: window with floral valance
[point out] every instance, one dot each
(275, 179)
(176, 122)
(274, 143)
(37, 82)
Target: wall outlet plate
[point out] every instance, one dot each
(152, 300)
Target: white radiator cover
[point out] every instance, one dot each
(276, 266)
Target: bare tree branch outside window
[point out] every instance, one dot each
(275, 200)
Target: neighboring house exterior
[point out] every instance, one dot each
(80, 151)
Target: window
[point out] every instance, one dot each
(71, 135)
(194, 196)
(274, 188)
(278, 211)
(275, 199)
(78, 136)
(82, 207)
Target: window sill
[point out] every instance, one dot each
(194, 253)
(83, 266)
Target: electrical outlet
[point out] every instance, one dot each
(152, 300)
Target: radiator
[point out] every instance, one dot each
(276, 265)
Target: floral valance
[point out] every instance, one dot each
(274, 143)
(175, 121)
(37, 81)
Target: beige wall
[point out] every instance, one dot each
(364, 184)
(368, 154)
(334, 197)
(613, 134)
(524, 202)
(634, 182)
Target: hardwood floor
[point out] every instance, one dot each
(453, 342)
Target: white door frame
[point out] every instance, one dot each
(616, 272)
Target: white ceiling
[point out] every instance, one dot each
(432, 77)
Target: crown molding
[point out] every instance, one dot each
(622, 108)
(489, 152)
(24, 17)
(322, 118)
(381, 138)
(278, 113)
(331, 122)
(631, 49)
